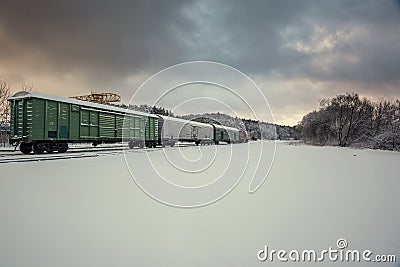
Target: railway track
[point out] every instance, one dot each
(43, 158)
(9, 156)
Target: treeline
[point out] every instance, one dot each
(254, 128)
(348, 120)
(149, 109)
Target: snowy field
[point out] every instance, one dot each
(91, 212)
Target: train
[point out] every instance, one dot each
(46, 123)
(172, 130)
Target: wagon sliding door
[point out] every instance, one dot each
(195, 132)
(107, 129)
(74, 123)
(51, 120)
(133, 128)
(89, 128)
(151, 131)
(63, 122)
(85, 123)
(94, 124)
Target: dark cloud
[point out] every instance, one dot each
(82, 45)
(93, 33)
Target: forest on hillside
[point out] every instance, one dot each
(348, 120)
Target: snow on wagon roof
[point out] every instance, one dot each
(185, 121)
(198, 123)
(25, 94)
(225, 127)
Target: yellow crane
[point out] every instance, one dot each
(102, 98)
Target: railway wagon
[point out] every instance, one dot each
(243, 137)
(41, 122)
(225, 134)
(172, 130)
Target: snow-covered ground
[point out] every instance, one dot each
(91, 212)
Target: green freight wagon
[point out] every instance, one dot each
(42, 122)
(225, 134)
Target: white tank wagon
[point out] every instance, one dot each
(172, 130)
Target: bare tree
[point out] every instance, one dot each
(5, 89)
(4, 111)
(348, 120)
(27, 87)
(388, 136)
(350, 115)
(317, 127)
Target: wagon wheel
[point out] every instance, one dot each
(131, 144)
(49, 149)
(63, 148)
(25, 148)
(37, 149)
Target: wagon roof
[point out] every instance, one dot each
(185, 121)
(198, 123)
(25, 94)
(225, 127)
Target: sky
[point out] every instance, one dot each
(296, 52)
